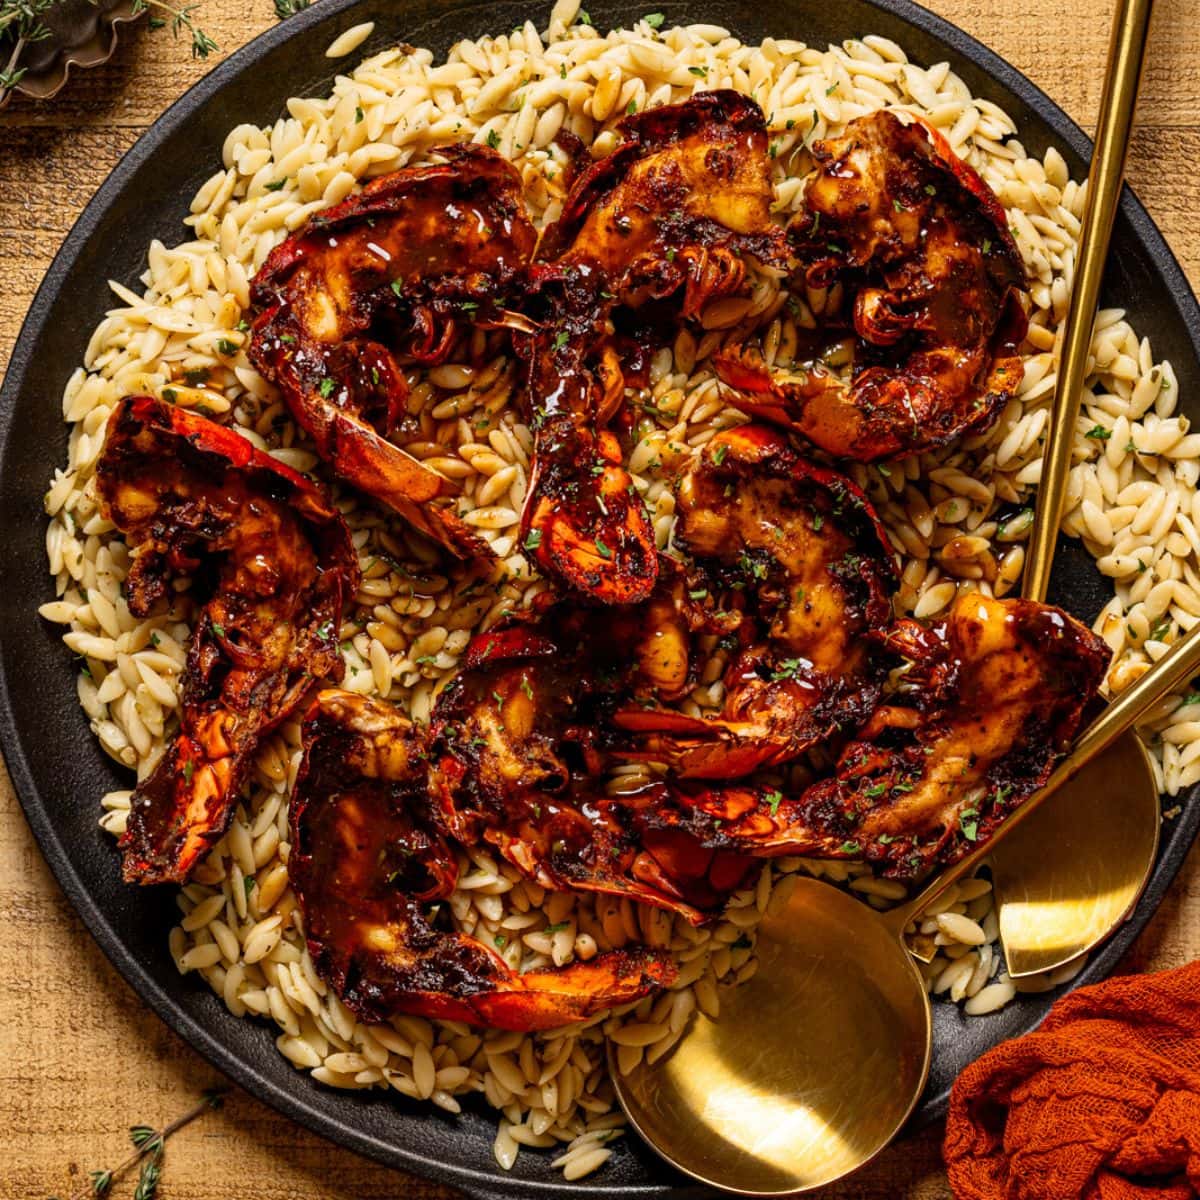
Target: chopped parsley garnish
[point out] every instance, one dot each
(226, 347)
(787, 669)
(560, 339)
(358, 115)
(720, 452)
(774, 800)
(493, 139)
(326, 387)
(654, 20)
(701, 71)
(218, 630)
(277, 186)
(533, 539)
(602, 549)
(1099, 433)
(584, 17)
(850, 848)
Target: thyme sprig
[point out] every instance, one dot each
(181, 22)
(148, 1147)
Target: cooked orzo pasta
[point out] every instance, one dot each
(959, 517)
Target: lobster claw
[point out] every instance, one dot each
(184, 490)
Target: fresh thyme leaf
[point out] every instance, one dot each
(181, 21)
(147, 1184)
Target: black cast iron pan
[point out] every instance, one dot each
(58, 769)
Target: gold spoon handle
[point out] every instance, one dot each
(1127, 45)
(1170, 673)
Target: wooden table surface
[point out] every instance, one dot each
(80, 1058)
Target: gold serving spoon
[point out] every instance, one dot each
(1104, 825)
(821, 1057)
(818, 1060)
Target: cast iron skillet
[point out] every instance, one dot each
(56, 765)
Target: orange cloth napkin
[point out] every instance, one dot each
(1102, 1102)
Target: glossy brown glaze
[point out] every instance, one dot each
(792, 566)
(664, 220)
(371, 866)
(987, 702)
(275, 559)
(387, 277)
(940, 730)
(922, 248)
(524, 737)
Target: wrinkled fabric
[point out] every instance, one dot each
(1102, 1102)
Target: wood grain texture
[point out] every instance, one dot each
(80, 1058)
